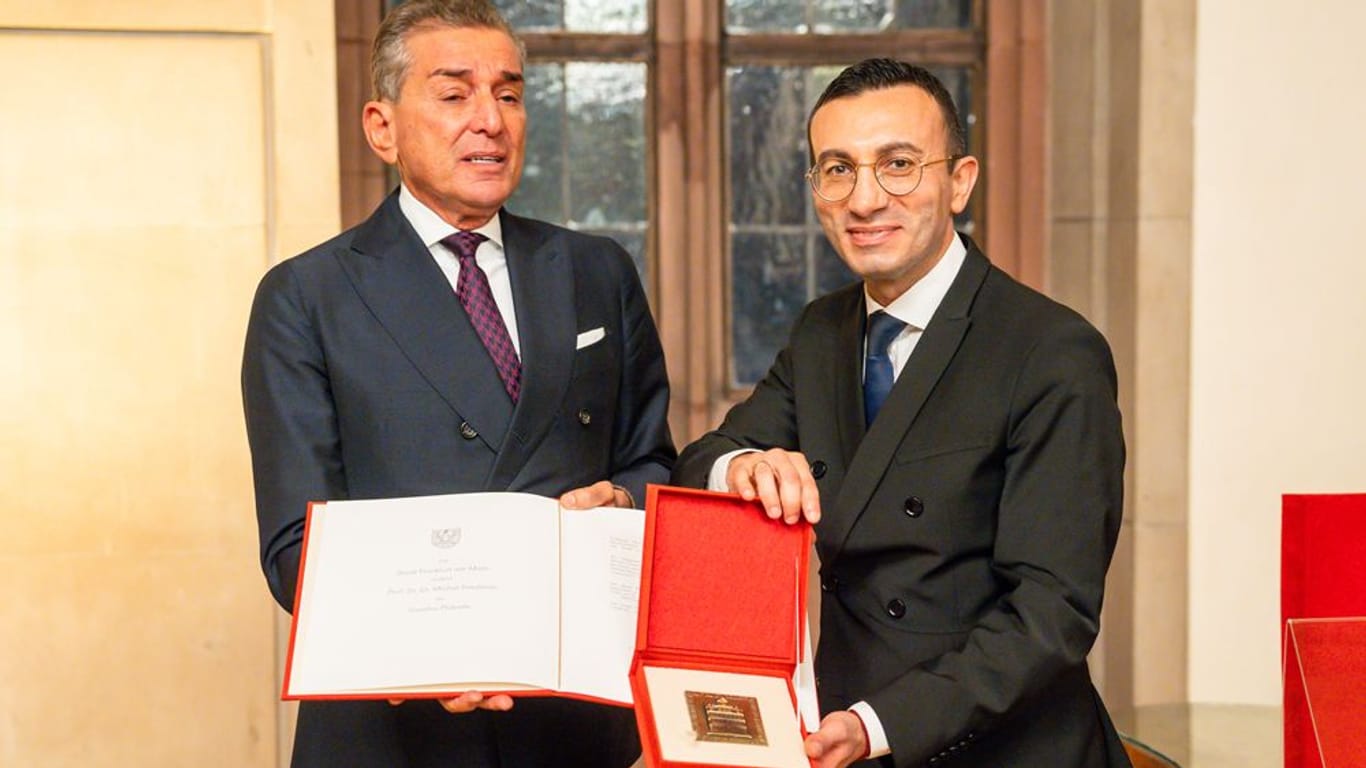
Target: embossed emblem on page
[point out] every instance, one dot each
(726, 718)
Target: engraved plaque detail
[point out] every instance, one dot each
(726, 718)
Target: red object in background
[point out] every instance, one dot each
(1323, 576)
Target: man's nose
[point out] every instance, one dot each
(488, 117)
(868, 195)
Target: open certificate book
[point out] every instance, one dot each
(437, 595)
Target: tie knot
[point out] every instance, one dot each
(882, 328)
(464, 244)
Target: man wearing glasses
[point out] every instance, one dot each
(956, 439)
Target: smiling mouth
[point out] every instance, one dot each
(870, 234)
(484, 159)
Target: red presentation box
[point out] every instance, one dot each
(1325, 680)
(720, 632)
(1323, 617)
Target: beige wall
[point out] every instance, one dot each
(1120, 105)
(157, 156)
(1278, 327)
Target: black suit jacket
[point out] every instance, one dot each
(966, 534)
(363, 378)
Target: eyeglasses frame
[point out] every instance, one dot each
(812, 180)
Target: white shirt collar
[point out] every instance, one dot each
(433, 229)
(918, 304)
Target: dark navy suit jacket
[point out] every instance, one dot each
(363, 378)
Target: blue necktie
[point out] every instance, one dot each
(877, 369)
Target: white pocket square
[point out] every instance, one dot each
(589, 338)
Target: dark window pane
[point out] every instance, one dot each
(605, 15)
(851, 15)
(843, 16)
(532, 14)
(933, 13)
(768, 290)
(606, 108)
(585, 162)
(618, 16)
(767, 157)
(542, 193)
(765, 15)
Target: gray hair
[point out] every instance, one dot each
(390, 58)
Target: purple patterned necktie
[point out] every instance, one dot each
(472, 288)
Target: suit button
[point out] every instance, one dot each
(830, 584)
(915, 507)
(818, 469)
(467, 432)
(896, 609)
(585, 418)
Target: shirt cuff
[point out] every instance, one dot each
(877, 738)
(716, 481)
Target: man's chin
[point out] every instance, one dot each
(491, 191)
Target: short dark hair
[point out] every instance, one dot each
(876, 74)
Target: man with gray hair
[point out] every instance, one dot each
(446, 345)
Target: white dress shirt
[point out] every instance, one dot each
(432, 229)
(915, 307)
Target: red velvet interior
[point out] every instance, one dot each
(723, 578)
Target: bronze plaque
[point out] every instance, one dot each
(730, 719)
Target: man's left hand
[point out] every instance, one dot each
(839, 742)
(599, 494)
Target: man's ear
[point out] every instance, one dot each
(377, 120)
(964, 179)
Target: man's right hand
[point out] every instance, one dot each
(470, 701)
(781, 480)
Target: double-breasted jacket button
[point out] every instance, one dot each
(818, 469)
(585, 418)
(915, 507)
(467, 432)
(896, 608)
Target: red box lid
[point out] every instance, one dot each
(720, 579)
(1324, 675)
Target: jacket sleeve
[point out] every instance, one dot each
(291, 425)
(642, 448)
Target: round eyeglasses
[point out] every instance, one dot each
(834, 179)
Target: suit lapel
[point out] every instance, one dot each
(396, 277)
(933, 353)
(848, 368)
(542, 276)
